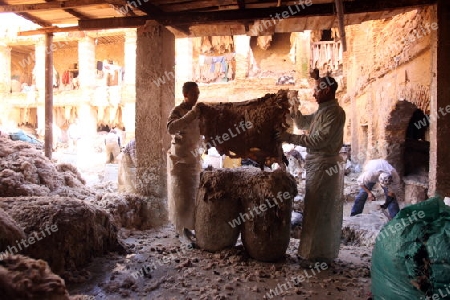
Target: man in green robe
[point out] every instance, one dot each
(322, 220)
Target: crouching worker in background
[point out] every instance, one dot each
(112, 145)
(377, 170)
(183, 162)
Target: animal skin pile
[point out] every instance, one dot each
(246, 129)
(22, 277)
(25, 171)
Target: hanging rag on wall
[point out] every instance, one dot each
(221, 60)
(65, 77)
(99, 65)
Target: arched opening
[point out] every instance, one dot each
(395, 133)
(417, 146)
(408, 149)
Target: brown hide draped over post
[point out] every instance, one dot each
(246, 129)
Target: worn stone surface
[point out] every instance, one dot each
(22, 277)
(155, 61)
(67, 232)
(363, 229)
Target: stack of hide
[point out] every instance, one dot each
(22, 277)
(25, 171)
(247, 129)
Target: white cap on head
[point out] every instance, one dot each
(385, 179)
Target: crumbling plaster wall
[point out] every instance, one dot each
(388, 61)
(21, 67)
(65, 57)
(278, 59)
(275, 59)
(112, 51)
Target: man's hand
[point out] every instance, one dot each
(371, 196)
(293, 111)
(198, 108)
(282, 136)
(314, 74)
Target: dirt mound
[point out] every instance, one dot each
(22, 277)
(65, 232)
(25, 171)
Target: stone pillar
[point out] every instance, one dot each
(5, 83)
(155, 58)
(243, 52)
(303, 53)
(5, 71)
(440, 104)
(86, 79)
(129, 93)
(87, 120)
(129, 119)
(183, 64)
(128, 101)
(39, 73)
(40, 115)
(130, 57)
(86, 62)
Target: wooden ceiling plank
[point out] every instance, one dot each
(182, 19)
(76, 14)
(197, 5)
(34, 19)
(106, 23)
(48, 30)
(327, 9)
(240, 15)
(241, 4)
(48, 5)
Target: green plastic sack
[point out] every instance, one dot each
(411, 257)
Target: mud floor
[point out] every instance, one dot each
(159, 267)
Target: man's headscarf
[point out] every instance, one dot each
(385, 179)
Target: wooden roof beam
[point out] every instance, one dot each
(107, 23)
(241, 4)
(46, 30)
(183, 19)
(293, 11)
(48, 5)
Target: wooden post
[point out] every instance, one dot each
(340, 13)
(440, 104)
(48, 95)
